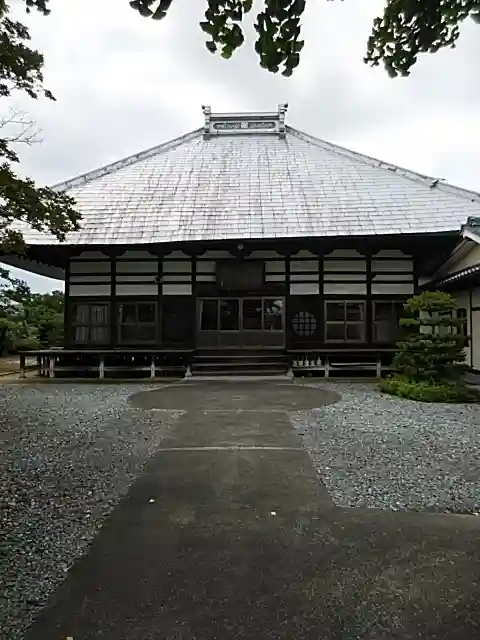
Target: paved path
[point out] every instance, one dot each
(230, 534)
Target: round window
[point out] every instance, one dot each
(304, 323)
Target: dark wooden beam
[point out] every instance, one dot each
(470, 310)
(159, 297)
(67, 319)
(113, 299)
(369, 305)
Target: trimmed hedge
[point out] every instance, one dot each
(428, 391)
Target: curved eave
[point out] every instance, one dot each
(33, 266)
(457, 280)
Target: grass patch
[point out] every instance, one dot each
(429, 391)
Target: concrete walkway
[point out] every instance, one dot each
(230, 534)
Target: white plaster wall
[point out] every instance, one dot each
(346, 288)
(344, 265)
(475, 338)
(90, 267)
(136, 267)
(402, 266)
(397, 288)
(91, 290)
(304, 288)
(136, 289)
(462, 299)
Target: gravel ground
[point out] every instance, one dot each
(67, 455)
(383, 452)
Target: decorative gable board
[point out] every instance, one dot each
(344, 253)
(256, 255)
(133, 254)
(174, 255)
(92, 255)
(304, 253)
(216, 254)
(391, 253)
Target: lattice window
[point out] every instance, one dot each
(304, 323)
(345, 321)
(137, 322)
(91, 322)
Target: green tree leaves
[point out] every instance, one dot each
(28, 320)
(432, 349)
(20, 200)
(410, 27)
(406, 29)
(144, 8)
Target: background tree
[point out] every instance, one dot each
(406, 29)
(42, 208)
(28, 320)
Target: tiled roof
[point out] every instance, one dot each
(257, 185)
(459, 276)
(471, 229)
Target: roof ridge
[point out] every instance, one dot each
(429, 181)
(111, 167)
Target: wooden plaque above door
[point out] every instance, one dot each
(240, 275)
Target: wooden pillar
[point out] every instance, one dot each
(194, 300)
(67, 310)
(101, 367)
(159, 335)
(22, 366)
(369, 305)
(470, 318)
(327, 366)
(152, 366)
(321, 295)
(415, 274)
(113, 299)
(51, 366)
(287, 311)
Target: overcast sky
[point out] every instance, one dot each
(124, 83)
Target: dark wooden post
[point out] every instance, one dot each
(22, 366)
(113, 298)
(159, 332)
(67, 313)
(194, 301)
(415, 273)
(369, 309)
(286, 252)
